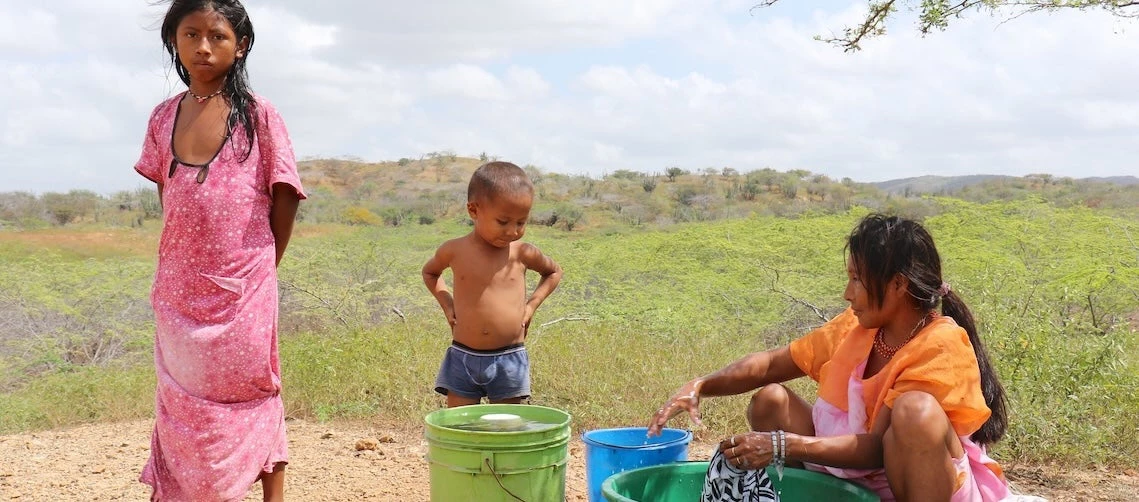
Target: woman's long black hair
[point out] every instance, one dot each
(882, 246)
(236, 87)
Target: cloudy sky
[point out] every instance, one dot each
(591, 86)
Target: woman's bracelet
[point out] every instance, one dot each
(779, 451)
(774, 447)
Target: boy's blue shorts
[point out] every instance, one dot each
(496, 374)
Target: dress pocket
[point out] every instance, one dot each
(214, 299)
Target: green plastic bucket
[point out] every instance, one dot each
(683, 481)
(527, 465)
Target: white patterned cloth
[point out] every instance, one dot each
(727, 483)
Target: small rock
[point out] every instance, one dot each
(387, 438)
(98, 469)
(326, 435)
(366, 444)
(1131, 472)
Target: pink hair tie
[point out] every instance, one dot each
(943, 290)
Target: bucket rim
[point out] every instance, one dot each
(609, 489)
(685, 437)
(558, 430)
(564, 417)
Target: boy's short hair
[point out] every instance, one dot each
(496, 178)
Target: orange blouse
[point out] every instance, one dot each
(938, 361)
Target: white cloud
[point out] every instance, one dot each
(607, 154)
(465, 81)
(302, 37)
(31, 31)
(593, 86)
(527, 83)
(456, 30)
(71, 125)
(1107, 116)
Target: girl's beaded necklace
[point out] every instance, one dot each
(202, 99)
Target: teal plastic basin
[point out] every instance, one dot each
(683, 481)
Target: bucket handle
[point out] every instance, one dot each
(497, 478)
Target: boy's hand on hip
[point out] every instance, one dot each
(527, 316)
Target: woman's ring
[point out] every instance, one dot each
(733, 441)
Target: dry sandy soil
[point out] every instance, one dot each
(101, 462)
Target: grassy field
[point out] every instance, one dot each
(640, 311)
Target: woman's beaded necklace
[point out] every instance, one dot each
(886, 351)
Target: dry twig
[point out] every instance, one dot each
(560, 319)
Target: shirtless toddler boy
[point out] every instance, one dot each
(489, 312)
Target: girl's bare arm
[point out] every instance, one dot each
(282, 216)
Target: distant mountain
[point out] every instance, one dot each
(935, 184)
(1118, 180)
(950, 184)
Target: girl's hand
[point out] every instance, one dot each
(750, 450)
(685, 399)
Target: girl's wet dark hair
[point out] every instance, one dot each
(881, 247)
(236, 89)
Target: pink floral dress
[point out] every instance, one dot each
(219, 418)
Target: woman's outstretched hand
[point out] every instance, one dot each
(750, 450)
(685, 399)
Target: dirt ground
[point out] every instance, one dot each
(101, 462)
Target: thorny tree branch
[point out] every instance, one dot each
(1127, 233)
(1091, 309)
(735, 306)
(333, 308)
(775, 287)
(874, 25)
(935, 14)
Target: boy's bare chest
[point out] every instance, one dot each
(488, 271)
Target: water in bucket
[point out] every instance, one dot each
(610, 451)
(497, 452)
(683, 482)
(501, 422)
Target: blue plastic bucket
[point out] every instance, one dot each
(610, 451)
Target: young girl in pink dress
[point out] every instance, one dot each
(228, 183)
(907, 398)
